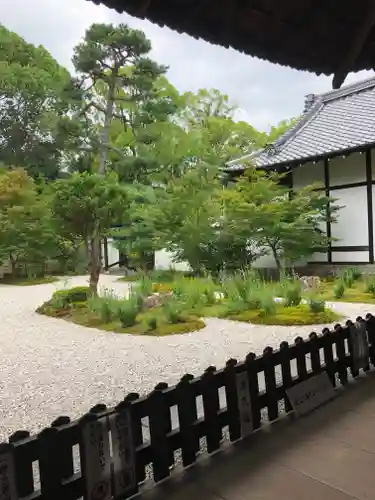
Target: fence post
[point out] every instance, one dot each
(250, 364)
(23, 465)
(341, 354)
(187, 416)
(316, 365)
(65, 449)
(94, 453)
(124, 473)
(234, 423)
(137, 435)
(161, 452)
(270, 382)
(301, 359)
(286, 373)
(370, 326)
(360, 320)
(328, 355)
(211, 407)
(51, 464)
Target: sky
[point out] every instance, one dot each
(265, 93)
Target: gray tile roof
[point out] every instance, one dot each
(335, 121)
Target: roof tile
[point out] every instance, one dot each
(337, 121)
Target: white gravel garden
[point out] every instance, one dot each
(53, 367)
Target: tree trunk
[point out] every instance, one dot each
(107, 124)
(95, 263)
(279, 264)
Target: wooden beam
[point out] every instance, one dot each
(143, 8)
(326, 186)
(370, 209)
(358, 41)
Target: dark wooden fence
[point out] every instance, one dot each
(170, 424)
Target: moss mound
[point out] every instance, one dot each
(287, 316)
(153, 322)
(28, 281)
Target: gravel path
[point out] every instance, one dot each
(50, 367)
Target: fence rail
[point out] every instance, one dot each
(109, 453)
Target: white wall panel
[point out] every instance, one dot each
(351, 228)
(347, 170)
(319, 257)
(164, 260)
(350, 257)
(113, 253)
(307, 174)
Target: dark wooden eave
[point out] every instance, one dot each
(321, 36)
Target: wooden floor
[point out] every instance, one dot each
(328, 455)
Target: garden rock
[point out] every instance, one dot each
(156, 299)
(310, 282)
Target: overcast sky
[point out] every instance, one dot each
(266, 93)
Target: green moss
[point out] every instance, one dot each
(79, 313)
(356, 294)
(8, 280)
(288, 316)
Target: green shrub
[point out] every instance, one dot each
(348, 278)
(152, 323)
(267, 304)
(338, 289)
(356, 273)
(317, 305)
(127, 312)
(144, 287)
(292, 293)
(106, 306)
(65, 297)
(370, 287)
(173, 311)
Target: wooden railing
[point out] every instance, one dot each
(109, 453)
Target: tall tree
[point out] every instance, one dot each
(37, 102)
(87, 206)
(120, 79)
(288, 226)
(28, 235)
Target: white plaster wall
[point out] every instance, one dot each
(267, 261)
(347, 170)
(351, 228)
(164, 260)
(307, 174)
(373, 163)
(113, 253)
(319, 257)
(350, 257)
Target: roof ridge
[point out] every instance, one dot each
(347, 90)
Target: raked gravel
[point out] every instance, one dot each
(50, 367)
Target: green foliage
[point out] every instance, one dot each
(356, 273)
(291, 292)
(349, 277)
(260, 209)
(115, 59)
(339, 289)
(128, 311)
(105, 307)
(173, 311)
(144, 287)
(65, 297)
(317, 305)
(86, 206)
(28, 234)
(39, 100)
(288, 316)
(152, 323)
(370, 287)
